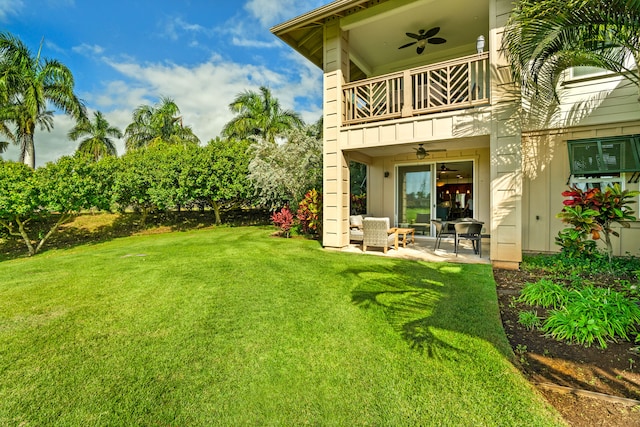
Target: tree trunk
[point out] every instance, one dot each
(216, 210)
(28, 151)
(24, 235)
(63, 218)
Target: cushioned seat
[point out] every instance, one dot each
(355, 228)
(377, 233)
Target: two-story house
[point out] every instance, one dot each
(419, 91)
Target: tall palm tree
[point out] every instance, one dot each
(543, 38)
(259, 114)
(97, 136)
(27, 84)
(159, 123)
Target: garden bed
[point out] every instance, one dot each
(613, 371)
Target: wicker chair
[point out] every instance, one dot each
(377, 233)
(355, 228)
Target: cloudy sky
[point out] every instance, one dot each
(200, 53)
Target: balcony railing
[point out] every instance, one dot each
(450, 85)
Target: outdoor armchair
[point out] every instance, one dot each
(377, 233)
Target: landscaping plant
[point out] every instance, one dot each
(310, 213)
(594, 314)
(544, 293)
(592, 213)
(283, 219)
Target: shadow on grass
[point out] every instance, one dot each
(422, 300)
(90, 228)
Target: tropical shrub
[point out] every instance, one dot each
(592, 212)
(284, 220)
(310, 213)
(594, 314)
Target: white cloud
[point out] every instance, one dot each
(270, 12)
(254, 43)
(9, 7)
(87, 49)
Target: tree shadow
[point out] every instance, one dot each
(422, 301)
(89, 228)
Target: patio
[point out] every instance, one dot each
(423, 250)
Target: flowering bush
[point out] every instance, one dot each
(283, 219)
(310, 213)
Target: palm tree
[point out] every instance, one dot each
(159, 123)
(27, 84)
(97, 136)
(543, 38)
(259, 114)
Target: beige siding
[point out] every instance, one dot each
(546, 171)
(434, 127)
(336, 168)
(506, 161)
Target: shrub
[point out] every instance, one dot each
(529, 319)
(283, 219)
(594, 314)
(310, 213)
(592, 213)
(544, 293)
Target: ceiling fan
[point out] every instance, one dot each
(422, 38)
(445, 169)
(421, 152)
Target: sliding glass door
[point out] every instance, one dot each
(414, 193)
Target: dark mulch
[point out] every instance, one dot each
(613, 371)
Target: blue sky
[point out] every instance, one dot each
(125, 53)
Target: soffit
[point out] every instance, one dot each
(377, 28)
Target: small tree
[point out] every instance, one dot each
(64, 188)
(593, 212)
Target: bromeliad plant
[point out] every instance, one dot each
(591, 213)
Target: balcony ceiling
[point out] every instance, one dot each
(377, 28)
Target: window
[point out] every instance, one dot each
(604, 156)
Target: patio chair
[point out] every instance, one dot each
(422, 222)
(377, 233)
(355, 228)
(443, 228)
(469, 231)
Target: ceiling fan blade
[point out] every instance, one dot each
(420, 49)
(432, 32)
(436, 150)
(414, 36)
(436, 40)
(407, 45)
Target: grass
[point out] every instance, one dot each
(234, 327)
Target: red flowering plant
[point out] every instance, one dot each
(591, 213)
(283, 219)
(310, 213)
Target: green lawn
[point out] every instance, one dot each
(234, 327)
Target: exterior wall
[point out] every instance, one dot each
(546, 171)
(383, 192)
(419, 129)
(506, 162)
(336, 167)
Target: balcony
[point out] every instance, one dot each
(451, 85)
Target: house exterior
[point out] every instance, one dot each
(446, 88)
